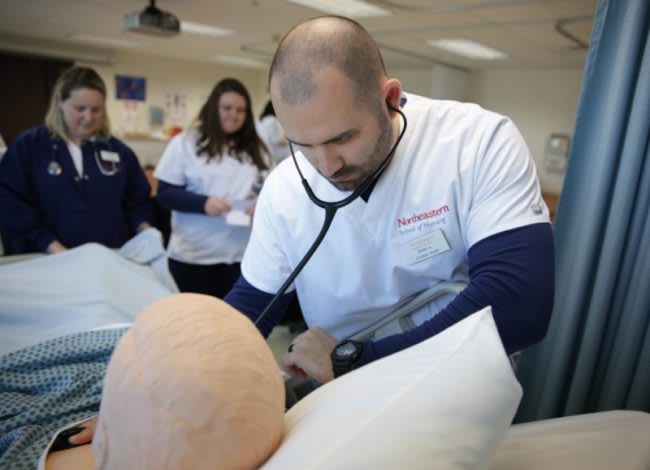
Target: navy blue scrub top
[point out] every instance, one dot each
(37, 207)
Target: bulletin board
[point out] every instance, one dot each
(130, 88)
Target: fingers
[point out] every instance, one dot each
(295, 372)
(309, 356)
(216, 206)
(86, 434)
(290, 366)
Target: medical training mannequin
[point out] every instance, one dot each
(70, 182)
(192, 384)
(218, 163)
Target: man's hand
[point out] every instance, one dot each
(309, 356)
(86, 435)
(216, 206)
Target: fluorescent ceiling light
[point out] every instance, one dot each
(204, 29)
(349, 8)
(467, 48)
(105, 41)
(234, 60)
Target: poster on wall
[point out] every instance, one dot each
(175, 111)
(129, 123)
(130, 88)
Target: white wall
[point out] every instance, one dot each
(437, 81)
(163, 76)
(414, 80)
(540, 102)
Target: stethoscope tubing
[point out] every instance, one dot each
(54, 168)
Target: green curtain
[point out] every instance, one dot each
(596, 355)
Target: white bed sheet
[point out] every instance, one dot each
(87, 287)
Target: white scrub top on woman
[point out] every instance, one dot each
(200, 238)
(460, 174)
(270, 131)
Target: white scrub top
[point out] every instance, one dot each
(459, 175)
(200, 238)
(270, 131)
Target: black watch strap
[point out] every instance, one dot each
(345, 356)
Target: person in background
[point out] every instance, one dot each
(272, 135)
(215, 167)
(161, 215)
(70, 182)
(449, 192)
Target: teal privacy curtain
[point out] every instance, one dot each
(596, 355)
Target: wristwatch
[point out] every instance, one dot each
(345, 356)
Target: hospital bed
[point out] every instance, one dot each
(446, 403)
(87, 287)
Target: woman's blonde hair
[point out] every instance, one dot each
(70, 80)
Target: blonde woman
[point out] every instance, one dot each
(70, 182)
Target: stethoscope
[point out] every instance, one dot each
(330, 211)
(54, 168)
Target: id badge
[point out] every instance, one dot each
(424, 247)
(108, 156)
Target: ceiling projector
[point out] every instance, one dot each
(154, 21)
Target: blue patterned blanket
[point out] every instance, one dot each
(47, 386)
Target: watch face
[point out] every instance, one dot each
(345, 355)
(346, 350)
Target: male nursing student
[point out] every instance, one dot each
(458, 201)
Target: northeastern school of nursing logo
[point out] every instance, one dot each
(406, 221)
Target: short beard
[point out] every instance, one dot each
(374, 160)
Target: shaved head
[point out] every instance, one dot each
(327, 41)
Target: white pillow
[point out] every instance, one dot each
(444, 403)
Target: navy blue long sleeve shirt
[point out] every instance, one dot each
(177, 198)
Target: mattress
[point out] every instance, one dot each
(596, 441)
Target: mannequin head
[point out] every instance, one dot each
(192, 384)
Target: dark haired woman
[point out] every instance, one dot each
(206, 174)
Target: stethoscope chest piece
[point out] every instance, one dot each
(54, 168)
